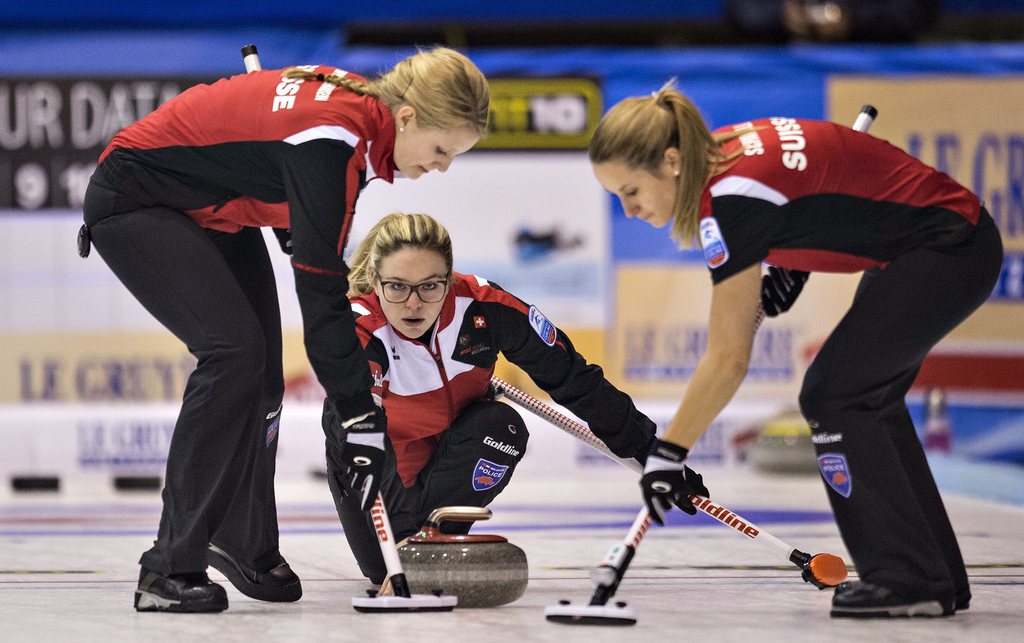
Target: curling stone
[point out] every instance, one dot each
(482, 570)
(784, 445)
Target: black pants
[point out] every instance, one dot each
(216, 292)
(885, 500)
(465, 470)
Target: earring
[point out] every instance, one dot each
(677, 172)
(401, 129)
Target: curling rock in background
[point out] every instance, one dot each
(482, 570)
(784, 445)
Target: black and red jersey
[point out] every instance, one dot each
(239, 153)
(425, 386)
(816, 196)
(259, 150)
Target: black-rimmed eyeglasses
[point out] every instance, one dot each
(429, 292)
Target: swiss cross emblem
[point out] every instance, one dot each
(479, 322)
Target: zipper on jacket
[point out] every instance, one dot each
(435, 352)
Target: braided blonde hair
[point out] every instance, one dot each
(444, 87)
(638, 130)
(389, 235)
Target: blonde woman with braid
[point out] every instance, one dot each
(175, 208)
(801, 196)
(432, 337)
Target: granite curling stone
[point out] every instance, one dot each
(784, 445)
(482, 570)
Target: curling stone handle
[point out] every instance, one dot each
(458, 514)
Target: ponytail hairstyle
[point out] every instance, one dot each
(389, 235)
(444, 87)
(638, 130)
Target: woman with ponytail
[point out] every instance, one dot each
(800, 196)
(175, 208)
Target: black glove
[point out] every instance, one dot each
(642, 453)
(780, 288)
(284, 239)
(667, 481)
(494, 392)
(359, 454)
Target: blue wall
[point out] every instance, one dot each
(166, 13)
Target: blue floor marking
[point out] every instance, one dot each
(675, 519)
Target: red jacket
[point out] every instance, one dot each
(816, 196)
(424, 387)
(260, 150)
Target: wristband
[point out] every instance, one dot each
(669, 451)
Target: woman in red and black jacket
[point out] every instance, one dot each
(432, 338)
(175, 208)
(809, 196)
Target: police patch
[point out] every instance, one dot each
(716, 252)
(836, 472)
(542, 326)
(486, 474)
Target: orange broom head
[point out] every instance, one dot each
(828, 568)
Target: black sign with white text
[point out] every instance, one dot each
(52, 130)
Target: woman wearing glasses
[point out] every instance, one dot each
(432, 338)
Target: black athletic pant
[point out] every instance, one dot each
(463, 471)
(216, 292)
(885, 500)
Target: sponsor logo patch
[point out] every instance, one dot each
(836, 472)
(826, 438)
(716, 252)
(543, 328)
(501, 446)
(487, 474)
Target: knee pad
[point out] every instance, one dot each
(493, 429)
(506, 427)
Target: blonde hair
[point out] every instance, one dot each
(638, 130)
(389, 235)
(444, 87)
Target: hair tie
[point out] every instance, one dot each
(320, 77)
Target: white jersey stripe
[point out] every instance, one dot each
(419, 373)
(335, 132)
(743, 186)
(371, 172)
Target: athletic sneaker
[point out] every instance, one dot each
(963, 600)
(279, 584)
(178, 593)
(866, 600)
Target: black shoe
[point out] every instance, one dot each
(867, 600)
(178, 593)
(278, 585)
(963, 600)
